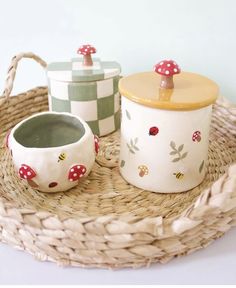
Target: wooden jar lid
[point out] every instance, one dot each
(191, 91)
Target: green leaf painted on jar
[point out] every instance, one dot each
(122, 163)
(132, 146)
(181, 147)
(127, 114)
(201, 166)
(177, 151)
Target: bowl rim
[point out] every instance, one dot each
(14, 142)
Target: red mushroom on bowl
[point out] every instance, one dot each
(76, 172)
(27, 173)
(167, 69)
(96, 144)
(86, 51)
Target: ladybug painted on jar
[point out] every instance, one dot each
(153, 131)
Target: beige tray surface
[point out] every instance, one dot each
(105, 222)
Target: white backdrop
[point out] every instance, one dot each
(198, 34)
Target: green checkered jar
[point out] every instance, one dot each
(87, 88)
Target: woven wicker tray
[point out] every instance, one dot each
(105, 222)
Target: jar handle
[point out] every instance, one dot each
(12, 70)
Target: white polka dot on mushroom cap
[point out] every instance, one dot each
(159, 70)
(161, 63)
(21, 172)
(78, 166)
(72, 170)
(24, 167)
(83, 170)
(168, 65)
(29, 173)
(175, 70)
(25, 176)
(167, 72)
(81, 175)
(71, 179)
(75, 174)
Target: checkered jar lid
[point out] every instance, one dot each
(75, 71)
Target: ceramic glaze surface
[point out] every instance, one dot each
(58, 168)
(163, 150)
(90, 92)
(49, 130)
(191, 91)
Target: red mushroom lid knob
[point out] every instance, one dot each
(26, 172)
(86, 51)
(167, 68)
(76, 172)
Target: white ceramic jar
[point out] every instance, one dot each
(52, 151)
(165, 128)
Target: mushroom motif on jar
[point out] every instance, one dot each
(196, 136)
(27, 173)
(87, 50)
(143, 170)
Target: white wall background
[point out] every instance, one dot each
(198, 34)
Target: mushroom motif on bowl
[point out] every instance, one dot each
(96, 144)
(27, 173)
(76, 172)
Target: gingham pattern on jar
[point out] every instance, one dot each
(88, 92)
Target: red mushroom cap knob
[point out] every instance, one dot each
(96, 143)
(167, 68)
(87, 50)
(76, 172)
(196, 136)
(26, 172)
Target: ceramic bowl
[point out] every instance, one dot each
(52, 151)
